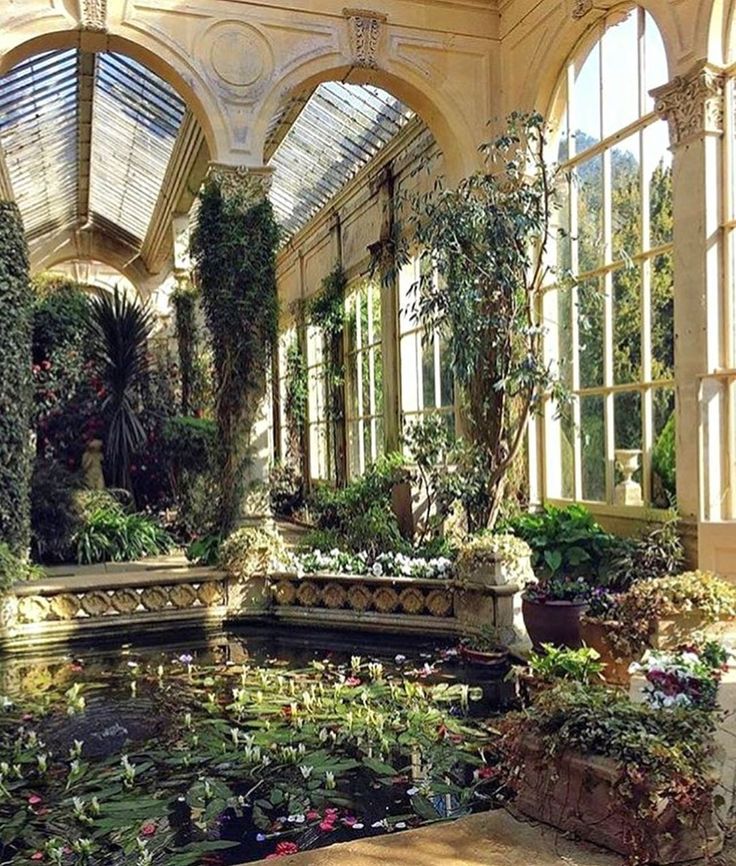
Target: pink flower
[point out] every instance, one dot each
(327, 825)
(313, 815)
(34, 800)
(37, 855)
(352, 681)
(148, 829)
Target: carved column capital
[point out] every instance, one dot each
(246, 182)
(93, 15)
(692, 104)
(365, 28)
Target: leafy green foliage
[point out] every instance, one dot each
(205, 550)
(663, 458)
(484, 267)
(120, 331)
(15, 380)
(191, 442)
(564, 541)
(184, 301)
(13, 569)
(56, 516)
(359, 517)
(581, 665)
(297, 395)
(110, 534)
(234, 246)
(286, 490)
(251, 550)
(657, 552)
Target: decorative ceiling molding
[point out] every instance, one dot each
(365, 29)
(93, 15)
(580, 8)
(249, 183)
(692, 104)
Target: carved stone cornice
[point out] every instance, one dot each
(692, 104)
(365, 28)
(246, 182)
(93, 15)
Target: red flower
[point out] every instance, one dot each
(45, 365)
(284, 849)
(148, 829)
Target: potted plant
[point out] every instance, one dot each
(602, 629)
(553, 664)
(484, 648)
(629, 776)
(552, 608)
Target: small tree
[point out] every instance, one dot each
(15, 381)
(484, 247)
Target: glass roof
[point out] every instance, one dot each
(135, 120)
(339, 129)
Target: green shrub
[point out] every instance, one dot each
(286, 488)
(205, 550)
(251, 550)
(657, 552)
(13, 569)
(190, 442)
(15, 381)
(56, 515)
(581, 665)
(109, 534)
(360, 516)
(564, 541)
(663, 458)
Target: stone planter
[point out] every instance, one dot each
(675, 631)
(576, 793)
(498, 659)
(555, 622)
(594, 634)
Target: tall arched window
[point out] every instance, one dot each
(612, 332)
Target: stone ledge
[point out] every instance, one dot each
(76, 582)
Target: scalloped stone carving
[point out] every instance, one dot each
(33, 608)
(285, 592)
(95, 603)
(182, 595)
(359, 597)
(385, 599)
(65, 606)
(125, 600)
(412, 600)
(154, 598)
(308, 594)
(334, 595)
(210, 593)
(439, 602)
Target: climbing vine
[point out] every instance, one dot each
(297, 392)
(327, 314)
(234, 247)
(15, 381)
(184, 301)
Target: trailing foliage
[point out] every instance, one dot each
(120, 331)
(251, 550)
(484, 267)
(657, 552)
(359, 516)
(326, 312)
(297, 394)
(15, 381)
(286, 489)
(234, 247)
(663, 756)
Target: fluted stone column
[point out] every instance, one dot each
(693, 106)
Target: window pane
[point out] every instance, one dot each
(627, 325)
(663, 321)
(658, 169)
(620, 60)
(562, 217)
(593, 451)
(589, 179)
(664, 448)
(564, 335)
(627, 420)
(428, 401)
(585, 121)
(626, 199)
(447, 379)
(655, 59)
(590, 334)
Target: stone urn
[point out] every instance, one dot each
(628, 491)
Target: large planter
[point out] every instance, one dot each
(675, 631)
(555, 622)
(594, 634)
(577, 793)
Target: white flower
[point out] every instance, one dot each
(305, 770)
(377, 569)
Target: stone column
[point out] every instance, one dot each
(693, 106)
(252, 184)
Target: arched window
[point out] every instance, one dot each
(612, 331)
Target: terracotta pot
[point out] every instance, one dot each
(497, 659)
(555, 622)
(677, 630)
(577, 793)
(595, 634)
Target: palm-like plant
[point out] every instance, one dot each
(120, 331)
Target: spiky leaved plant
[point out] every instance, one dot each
(120, 331)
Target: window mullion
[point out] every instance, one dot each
(608, 404)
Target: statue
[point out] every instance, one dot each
(92, 459)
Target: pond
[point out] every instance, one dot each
(239, 747)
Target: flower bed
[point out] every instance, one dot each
(382, 565)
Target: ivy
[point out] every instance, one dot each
(15, 381)
(326, 312)
(234, 247)
(184, 300)
(297, 393)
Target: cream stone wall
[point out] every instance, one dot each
(459, 65)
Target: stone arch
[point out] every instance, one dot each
(569, 37)
(172, 67)
(457, 140)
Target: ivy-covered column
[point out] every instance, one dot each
(234, 248)
(15, 381)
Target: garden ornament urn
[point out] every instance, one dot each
(628, 491)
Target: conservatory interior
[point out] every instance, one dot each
(367, 432)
